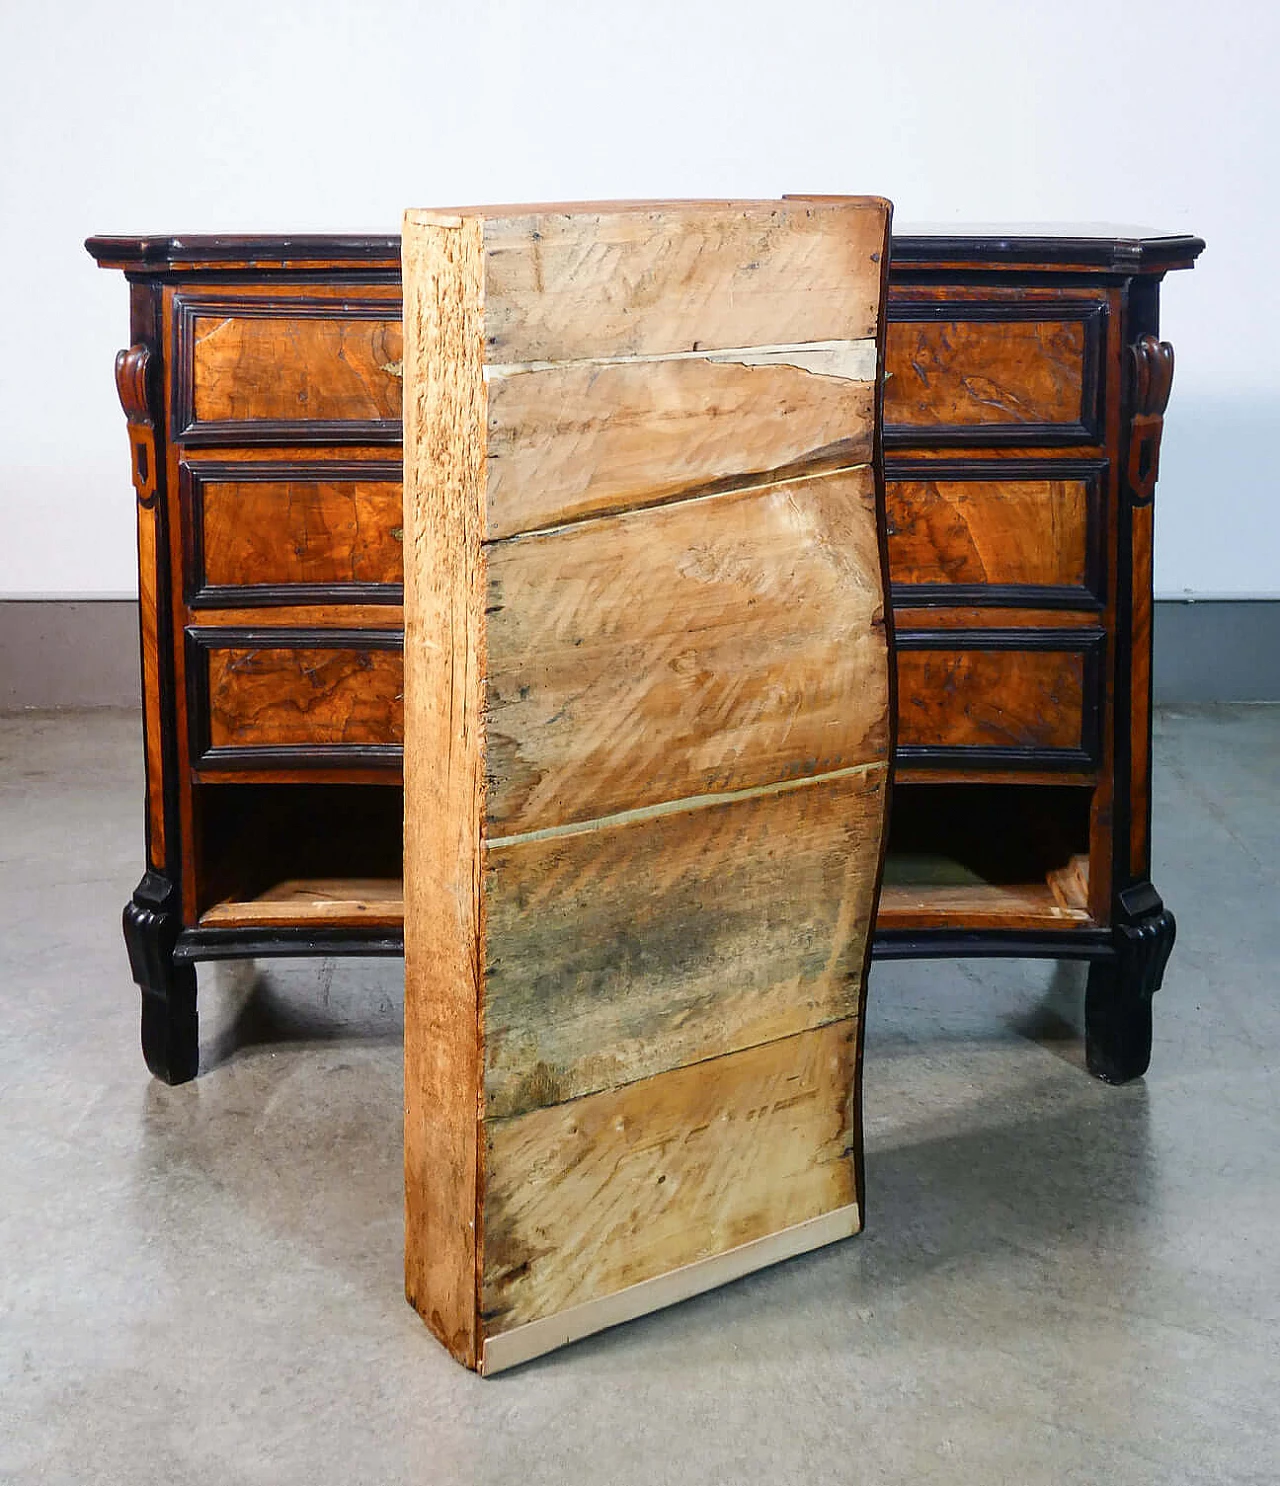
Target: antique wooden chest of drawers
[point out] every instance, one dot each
(1023, 406)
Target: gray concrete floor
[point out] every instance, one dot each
(1059, 1282)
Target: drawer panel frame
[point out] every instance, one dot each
(205, 757)
(1086, 429)
(1088, 643)
(195, 433)
(199, 593)
(1091, 597)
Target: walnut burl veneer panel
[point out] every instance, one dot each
(272, 532)
(647, 740)
(249, 365)
(970, 698)
(283, 697)
(998, 532)
(975, 372)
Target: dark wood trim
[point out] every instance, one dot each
(1085, 943)
(1089, 643)
(1157, 253)
(1092, 596)
(293, 431)
(1087, 429)
(201, 639)
(199, 594)
(278, 943)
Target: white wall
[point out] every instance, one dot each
(222, 115)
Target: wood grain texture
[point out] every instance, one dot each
(313, 531)
(1031, 905)
(686, 1165)
(647, 753)
(331, 901)
(275, 697)
(988, 531)
(973, 372)
(616, 953)
(991, 698)
(575, 440)
(275, 368)
(663, 277)
(444, 777)
(711, 645)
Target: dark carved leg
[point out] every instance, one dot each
(170, 1031)
(1118, 999)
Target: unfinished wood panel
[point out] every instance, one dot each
(991, 698)
(335, 902)
(662, 277)
(444, 780)
(1030, 905)
(975, 372)
(616, 953)
(301, 531)
(646, 765)
(988, 532)
(247, 368)
(575, 440)
(710, 645)
(686, 1165)
(267, 697)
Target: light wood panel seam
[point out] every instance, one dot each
(728, 485)
(686, 802)
(845, 360)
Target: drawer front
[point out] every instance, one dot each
(975, 373)
(999, 698)
(295, 698)
(1001, 533)
(287, 370)
(290, 533)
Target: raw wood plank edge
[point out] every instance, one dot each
(535, 1338)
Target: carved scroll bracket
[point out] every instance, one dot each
(131, 384)
(1152, 362)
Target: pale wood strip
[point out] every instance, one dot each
(376, 901)
(534, 1338)
(653, 278)
(613, 955)
(444, 773)
(587, 438)
(1030, 905)
(705, 646)
(586, 1198)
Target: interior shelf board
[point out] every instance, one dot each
(338, 902)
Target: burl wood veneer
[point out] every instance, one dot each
(646, 752)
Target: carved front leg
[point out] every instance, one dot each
(1118, 998)
(170, 1027)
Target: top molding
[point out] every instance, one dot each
(1054, 249)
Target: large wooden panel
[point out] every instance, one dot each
(989, 532)
(647, 705)
(586, 1198)
(272, 527)
(287, 365)
(622, 951)
(583, 438)
(279, 696)
(711, 645)
(999, 371)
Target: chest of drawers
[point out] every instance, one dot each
(1027, 385)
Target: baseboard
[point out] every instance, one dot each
(1217, 650)
(84, 652)
(69, 653)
